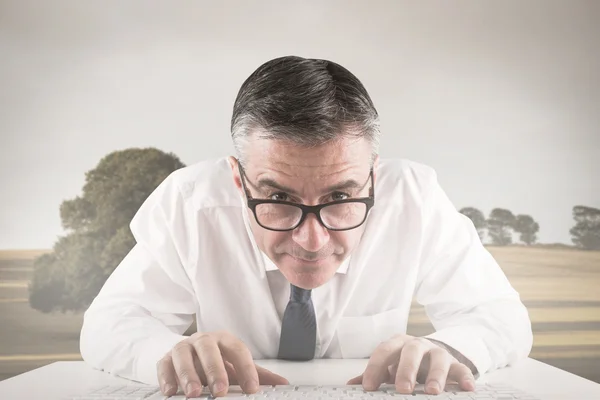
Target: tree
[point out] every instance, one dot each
(47, 286)
(586, 232)
(500, 225)
(477, 218)
(97, 225)
(527, 227)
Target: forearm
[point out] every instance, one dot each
(488, 337)
(128, 343)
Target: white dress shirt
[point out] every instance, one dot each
(195, 254)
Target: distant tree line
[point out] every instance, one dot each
(502, 223)
(586, 232)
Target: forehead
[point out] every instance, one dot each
(341, 157)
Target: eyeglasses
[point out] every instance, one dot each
(340, 215)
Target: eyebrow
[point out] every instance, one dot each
(345, 185)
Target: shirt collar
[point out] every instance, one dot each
(266, 264)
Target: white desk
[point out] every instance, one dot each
(63, 379)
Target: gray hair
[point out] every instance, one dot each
(307, 102)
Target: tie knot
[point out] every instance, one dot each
(299, 295)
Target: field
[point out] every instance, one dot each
(560, 287)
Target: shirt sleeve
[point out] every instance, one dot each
(148, 302)
(466, 295)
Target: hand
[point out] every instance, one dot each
(217, 360)
(403, 360)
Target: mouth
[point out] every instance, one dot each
(317, 262)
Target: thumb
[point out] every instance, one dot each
(355, 381)
(266, 377)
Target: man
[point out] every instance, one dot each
(306, 245)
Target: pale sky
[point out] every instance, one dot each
(501, 98)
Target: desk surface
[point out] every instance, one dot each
(63, 379)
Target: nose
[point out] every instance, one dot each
(311, 235)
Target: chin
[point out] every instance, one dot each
(308, 274)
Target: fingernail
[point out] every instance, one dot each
(433, 386)
(406, 386)
(191, 388)
(168, 388)
(251, 385)
(218, 387)
(369, 386)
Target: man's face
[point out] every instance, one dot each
(309, 255)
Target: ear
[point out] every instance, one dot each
(235, 173)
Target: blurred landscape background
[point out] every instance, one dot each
(100, 101)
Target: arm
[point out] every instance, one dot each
(148, 301)
(470, 302)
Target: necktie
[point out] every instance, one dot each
(299, 327)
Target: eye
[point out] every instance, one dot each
(279, 196)
(339, 196)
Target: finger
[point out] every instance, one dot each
(462, 374)
(236, 352)
(183, 362)
(409, 364)
(392, 373)
(231, 373)
(211, 360)
(199, 369)
(167, 377)
(266, 377)
(179, 385)
(439, 365)
(391, 376)
(386, 354)
(357, 380)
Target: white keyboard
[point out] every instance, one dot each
(346, 392)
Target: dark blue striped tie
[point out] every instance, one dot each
(298, 327)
